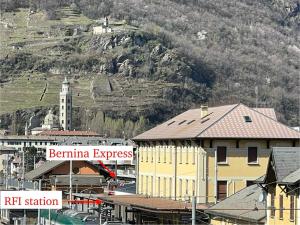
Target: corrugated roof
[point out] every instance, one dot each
(242, 205)
(293, 177)
(152, 203)
(287, 163)
(221, 122)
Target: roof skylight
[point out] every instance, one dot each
(181, 122)
(171, 123)
(247, 119)
(191, 121)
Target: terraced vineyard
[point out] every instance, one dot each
(147, 67)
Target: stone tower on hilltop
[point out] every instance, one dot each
(65, 106)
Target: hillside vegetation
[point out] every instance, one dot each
(167, 56)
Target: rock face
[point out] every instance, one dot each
(125, 68)
(132, 74)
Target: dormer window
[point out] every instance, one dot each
(171, 123)
(191, 121)
(247, 119)
(203, 121)
(181, 122)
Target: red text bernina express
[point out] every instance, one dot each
(94, 153)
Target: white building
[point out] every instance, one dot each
(50, 123)
(103, 29)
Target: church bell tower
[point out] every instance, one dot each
(65, 106)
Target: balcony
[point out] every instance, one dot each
(126, 173)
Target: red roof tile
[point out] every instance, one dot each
(68, 133)
(269, 112)
(222, 122)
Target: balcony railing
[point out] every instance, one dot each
(126, 173)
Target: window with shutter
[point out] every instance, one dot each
(142, 184)
(281, 207)
(187, 155)
(180, 187)
(146, 154)
(170, 187)
(221, 190)
(194, 155)
(152, 154)
(186, 187)
(170, 156)
(152, 186)
(180, 155)
(292, 208)
(158, 186)
(221, 154)
(252, 155)
(147, 184)
(165, 187)
(141, 151)
(272, 205)
(193, 188)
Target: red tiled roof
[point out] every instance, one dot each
(68, 133)
(269, 112)
(222, 122)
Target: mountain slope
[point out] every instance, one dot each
(168, 57)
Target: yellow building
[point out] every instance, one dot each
(273, 200)
(282, 183)
(210, 153)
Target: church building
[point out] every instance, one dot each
(53, 122)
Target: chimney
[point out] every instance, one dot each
(204, 110)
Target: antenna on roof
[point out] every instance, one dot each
(256, 96)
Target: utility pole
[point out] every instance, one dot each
(194, 204)
(39, 210)
(23, 180)
(23, 168)
(216, 176)
(34, 162)
(256, 96)
(6, 172)
(116, 169)
(49, 216)
(175, 171)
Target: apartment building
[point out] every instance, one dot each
(210, 153)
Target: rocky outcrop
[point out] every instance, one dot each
(132, 75)
(125, 68)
